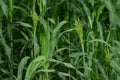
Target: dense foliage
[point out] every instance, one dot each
(59, 40)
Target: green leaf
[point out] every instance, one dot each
(54, 35)
(68, 65)
(59, 26)
(99, 11)
(26, 13)
(24, 24)
(75, 54)
(51, 20)
(4, 8)
(63, 75)
(7, 49)
(92, 2)
(44, 70)
(4, 71)
(112, 15)
(21, 67)
(115, 64)
(33, 66)
(46, 26)
(45, 38)
(36, 46)
(100, 28)
(100, 68)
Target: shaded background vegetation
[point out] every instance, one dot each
(59, 39)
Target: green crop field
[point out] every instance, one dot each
(59, 39)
